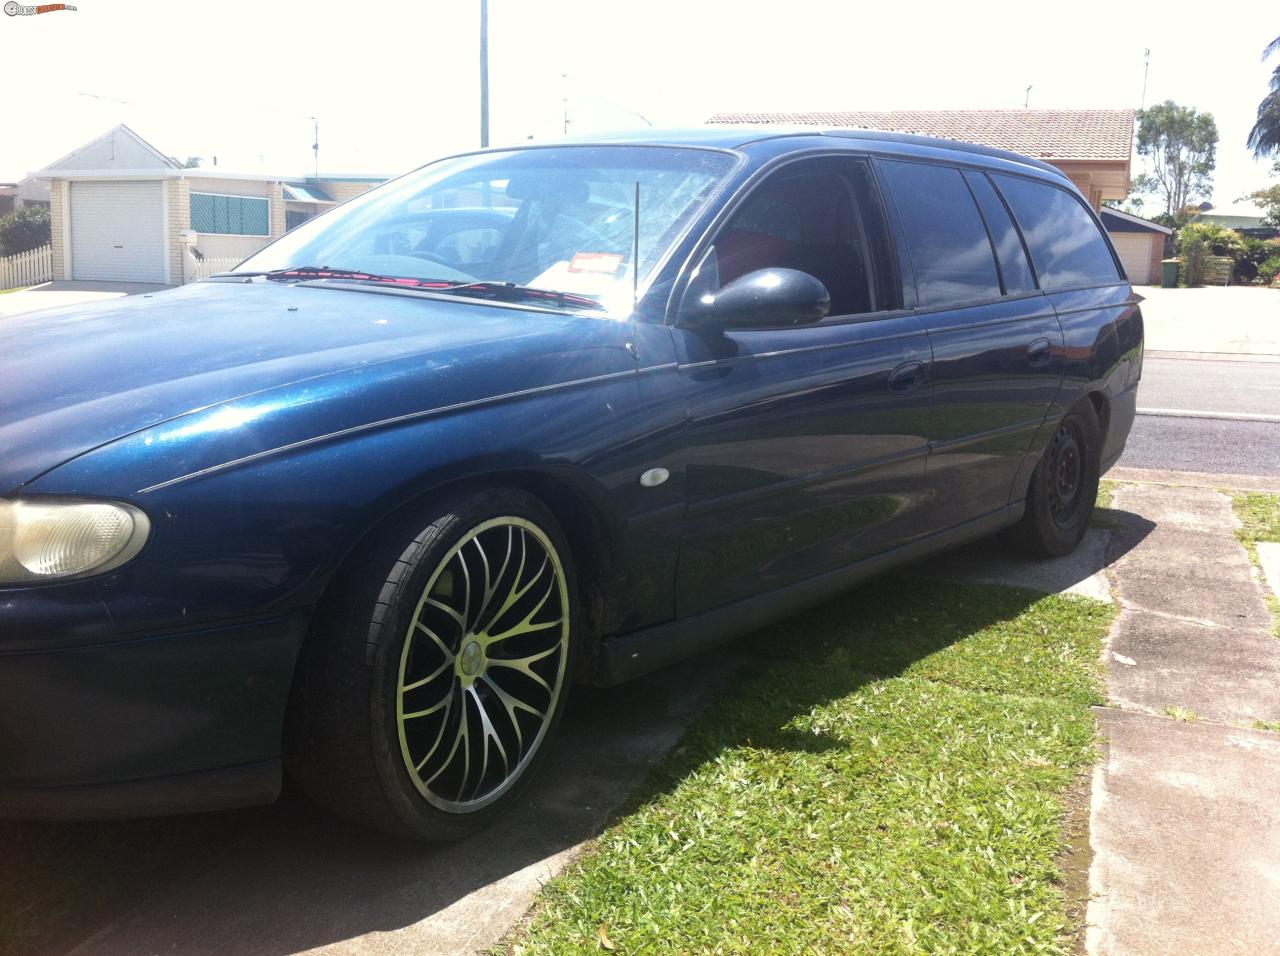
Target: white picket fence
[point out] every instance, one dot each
(193, 268)
(27, 268)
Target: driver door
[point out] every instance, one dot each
(807, 444)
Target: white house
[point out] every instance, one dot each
(120, 210)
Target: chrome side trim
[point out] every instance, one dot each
(400, 420)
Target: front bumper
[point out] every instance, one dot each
(178, 720)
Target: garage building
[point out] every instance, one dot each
(1140, 243)
(122, 211)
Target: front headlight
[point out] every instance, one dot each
(53, 539)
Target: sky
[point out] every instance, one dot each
(395, 84)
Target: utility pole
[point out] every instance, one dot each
(1026, 100)
(484, 73)
(1146, 69)
(315, 144)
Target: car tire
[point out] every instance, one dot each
(437, 669)
(1063, 488)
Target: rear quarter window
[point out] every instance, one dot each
(1014, 270)
(1066, 245)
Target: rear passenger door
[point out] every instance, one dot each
(997, 347)
(1096, 308)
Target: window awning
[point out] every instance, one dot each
(298, 192)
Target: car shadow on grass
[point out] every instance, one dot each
(290, 877)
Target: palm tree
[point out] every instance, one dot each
(1264, 138)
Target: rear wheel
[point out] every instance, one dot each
(1064, 487)
(424, 702)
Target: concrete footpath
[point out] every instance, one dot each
(1185, 821)
(1224, 320)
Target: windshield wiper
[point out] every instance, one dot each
(496, 291)
(301, 273)
(511, 292)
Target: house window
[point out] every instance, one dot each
(293, 218)
(230, 215)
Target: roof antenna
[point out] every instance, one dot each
(1026, 101)
(635, 250)
(1146, 68)
(315, 144)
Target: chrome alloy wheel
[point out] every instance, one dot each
(483, 664)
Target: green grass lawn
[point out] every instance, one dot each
(889, 775)
(1259, 515)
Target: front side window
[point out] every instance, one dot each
(1066, 245)
(949, 246)
(560, 219)
(820, 216)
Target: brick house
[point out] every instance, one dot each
(1093, 147)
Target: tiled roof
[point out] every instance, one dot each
(1044, 134)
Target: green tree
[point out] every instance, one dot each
(25, 228)
(191, 162)
(1269, 200)
(1264, 138)
(1179, 144)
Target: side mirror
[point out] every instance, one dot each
(764, 299)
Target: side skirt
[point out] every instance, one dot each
(632, 655)
(246, 785)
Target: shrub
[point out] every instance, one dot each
(25, 228)
(1269, 270)
(1196, 240)
(1256, 252)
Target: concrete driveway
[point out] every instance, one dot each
(1235, 319)
(51, 295)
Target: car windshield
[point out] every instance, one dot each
(561, 219)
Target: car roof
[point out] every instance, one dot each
(736, 137)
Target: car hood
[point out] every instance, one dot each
(80, 377)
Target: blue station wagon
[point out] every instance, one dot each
(364, 508)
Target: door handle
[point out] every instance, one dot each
(906, 377)
(1039, 353)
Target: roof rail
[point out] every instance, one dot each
(938, 142)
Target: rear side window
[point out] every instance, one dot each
(1066, 245)
(949, 245)
(1012, 257)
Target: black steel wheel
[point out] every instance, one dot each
(1063, 487)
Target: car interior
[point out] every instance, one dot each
(812, 221)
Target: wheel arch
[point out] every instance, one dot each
(576, 502)
(1102, 408)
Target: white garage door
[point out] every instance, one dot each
(117, 232)
(1134, 249)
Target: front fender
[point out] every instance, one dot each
(264, 534)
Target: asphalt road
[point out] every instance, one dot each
(1211, 415)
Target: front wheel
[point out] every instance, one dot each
(425, 701)
(1064, 487)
